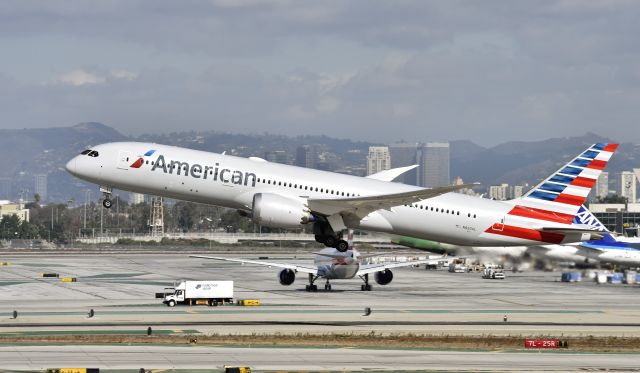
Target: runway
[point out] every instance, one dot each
(296, 359)
(120, 289)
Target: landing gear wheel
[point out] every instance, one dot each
(365, 287)
(342, 246)
(107, 203)
(330, 241)
(327, 286)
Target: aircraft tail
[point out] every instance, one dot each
(559, 197)
(586, 218)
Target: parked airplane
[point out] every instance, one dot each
(285, 196)
(331, 264)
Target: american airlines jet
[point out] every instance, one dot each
(283, 196)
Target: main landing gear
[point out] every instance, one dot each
(106, 194)
(366, 286)
(312, 286)
(325, 235)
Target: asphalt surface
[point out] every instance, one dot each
(295, 359)
(120, 288)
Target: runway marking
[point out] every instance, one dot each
(516, 303)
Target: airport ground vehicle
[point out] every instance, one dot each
(493, 273)
(209, 293)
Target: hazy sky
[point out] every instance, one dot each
(487, 71)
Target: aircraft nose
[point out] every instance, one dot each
(71, 166)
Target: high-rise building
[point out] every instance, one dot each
(277, 156)
(378, 159)
(499, 192)
(405, 154)
(628, 186)
(41, 185)
(307, 156)
(136, 198)
(518, 191)
(601, 189)
(434, 165)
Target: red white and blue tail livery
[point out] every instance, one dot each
(283, 196)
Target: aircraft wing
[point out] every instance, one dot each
(297, 268)
(372, 268)
(389, 175)
(363, 206)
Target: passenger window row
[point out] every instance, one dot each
(306, 187)
(440, 210)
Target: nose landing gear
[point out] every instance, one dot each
(106, 193)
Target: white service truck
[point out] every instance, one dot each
(211, 293)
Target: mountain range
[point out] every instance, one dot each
(26, 152)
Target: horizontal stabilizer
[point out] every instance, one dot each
(390, 175)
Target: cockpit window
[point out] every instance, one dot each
(93, 153)
(86, 152)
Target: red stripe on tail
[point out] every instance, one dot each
(569, 199)
(610, 148)
(597, 164)
(540, 214)
(584, 182)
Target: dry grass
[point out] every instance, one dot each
(372, 340)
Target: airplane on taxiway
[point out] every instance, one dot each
(284, 196)
(331, 264)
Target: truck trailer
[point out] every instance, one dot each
(211, 293)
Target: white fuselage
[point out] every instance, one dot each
(229, 181)
(337, 265)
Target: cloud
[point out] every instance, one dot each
(79, 78)
(428, 70)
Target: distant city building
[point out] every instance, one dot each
(518, 191)
(601, 189)
(5, 188)
(434, 165)
(378, 159)
(7, 209)
(277, 156)
(405, 154)
(499, 192)
(136, 198)
(628, 186)
(41, 186)
(307, 156)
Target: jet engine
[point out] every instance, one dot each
(287, 277)
(273, 210)
(383, 277)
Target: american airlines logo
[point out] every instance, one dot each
(140, 161)
(198, 171)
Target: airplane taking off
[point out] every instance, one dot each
(331, 264)
(283, 196)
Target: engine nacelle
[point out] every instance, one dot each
(275, 211)
(287, 277)
(384, 277)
